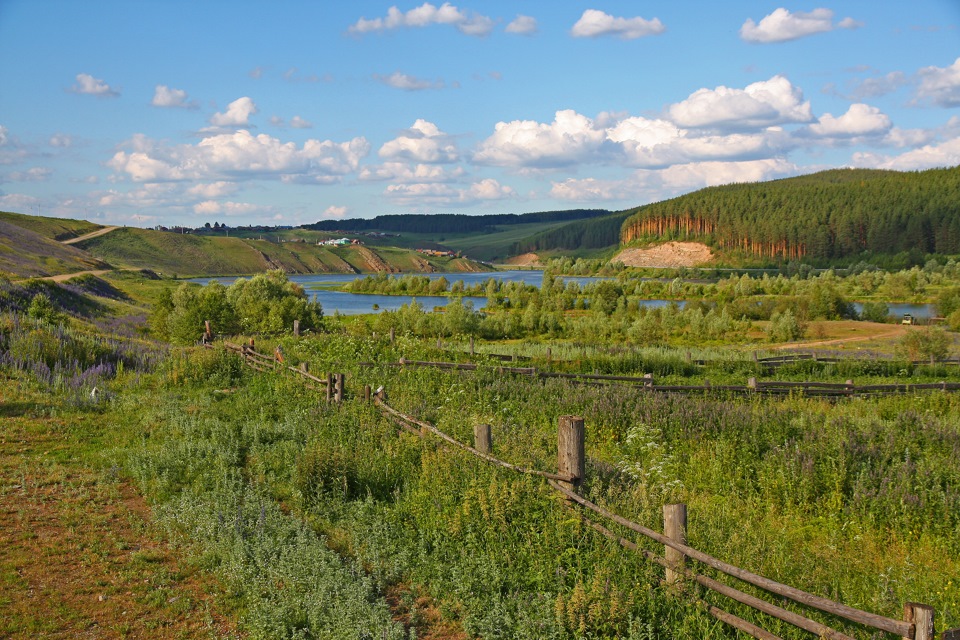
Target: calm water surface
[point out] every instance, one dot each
(349, 304)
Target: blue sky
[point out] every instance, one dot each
(146, 112)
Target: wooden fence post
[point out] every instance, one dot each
(366, 393)
(648, 381)
(207, 331)
(570, 451)
(304, 367)
(482, 438)
(471, 345)
(921, 616)
(296, 328)
(439, 344)
(549, 355)
(339, 384)
(329, 388)
(675, 528)
(752, 383)
(849, 389)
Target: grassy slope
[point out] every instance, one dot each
(480, 246)
(53, 228)
(172, 253)
(26, 253)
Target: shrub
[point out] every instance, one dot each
(785, 327)
(924, 344)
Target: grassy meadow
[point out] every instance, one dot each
(273, 514)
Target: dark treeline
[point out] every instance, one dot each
(595, 233)
(449, 222)
(833, 214)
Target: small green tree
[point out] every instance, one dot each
(924, 344)
(785, 327)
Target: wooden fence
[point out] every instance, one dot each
(334, 383)
(647, 383)
(918, 621)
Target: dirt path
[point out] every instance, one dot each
(77, 559)
(63, 277)
(896, 332)
(92, 234)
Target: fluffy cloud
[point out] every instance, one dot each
(569, 139)
(237, 114)
(426, 15)
(657, 184)
(299, 123)
(445, 195)
(594, 23)
(88, 85)
(771, 102)
(695, 175)
(423, 142)
(239, 155)
(522, 25)
(781, 25)
(860, 120)
(945, 154)
(940, 86)
(334, 211)
(404, 173)
(164, 96)
(209, 191)
(406, 82)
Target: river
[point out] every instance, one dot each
(318, 286)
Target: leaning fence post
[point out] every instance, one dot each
(675, 528)
(921, 616)
(570, 451)
(482, 438)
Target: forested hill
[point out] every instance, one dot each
(450, 222)
(832, 214)
(595, 233)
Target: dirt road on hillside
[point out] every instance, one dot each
(87, 236)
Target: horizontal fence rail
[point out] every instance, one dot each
(646, 382)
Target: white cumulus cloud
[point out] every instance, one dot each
(164, 96)
(569, 139)
(859, 120)
(402, 172)
(237, 114)
(770, 102)
(334, 211)
(239, 155)
(425, 15)
(945, 154)
(522, 25)
(423, 142)
(940, 85)
(88, 85)
(594, 23)
(781, 25)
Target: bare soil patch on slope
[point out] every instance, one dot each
(668, 255)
